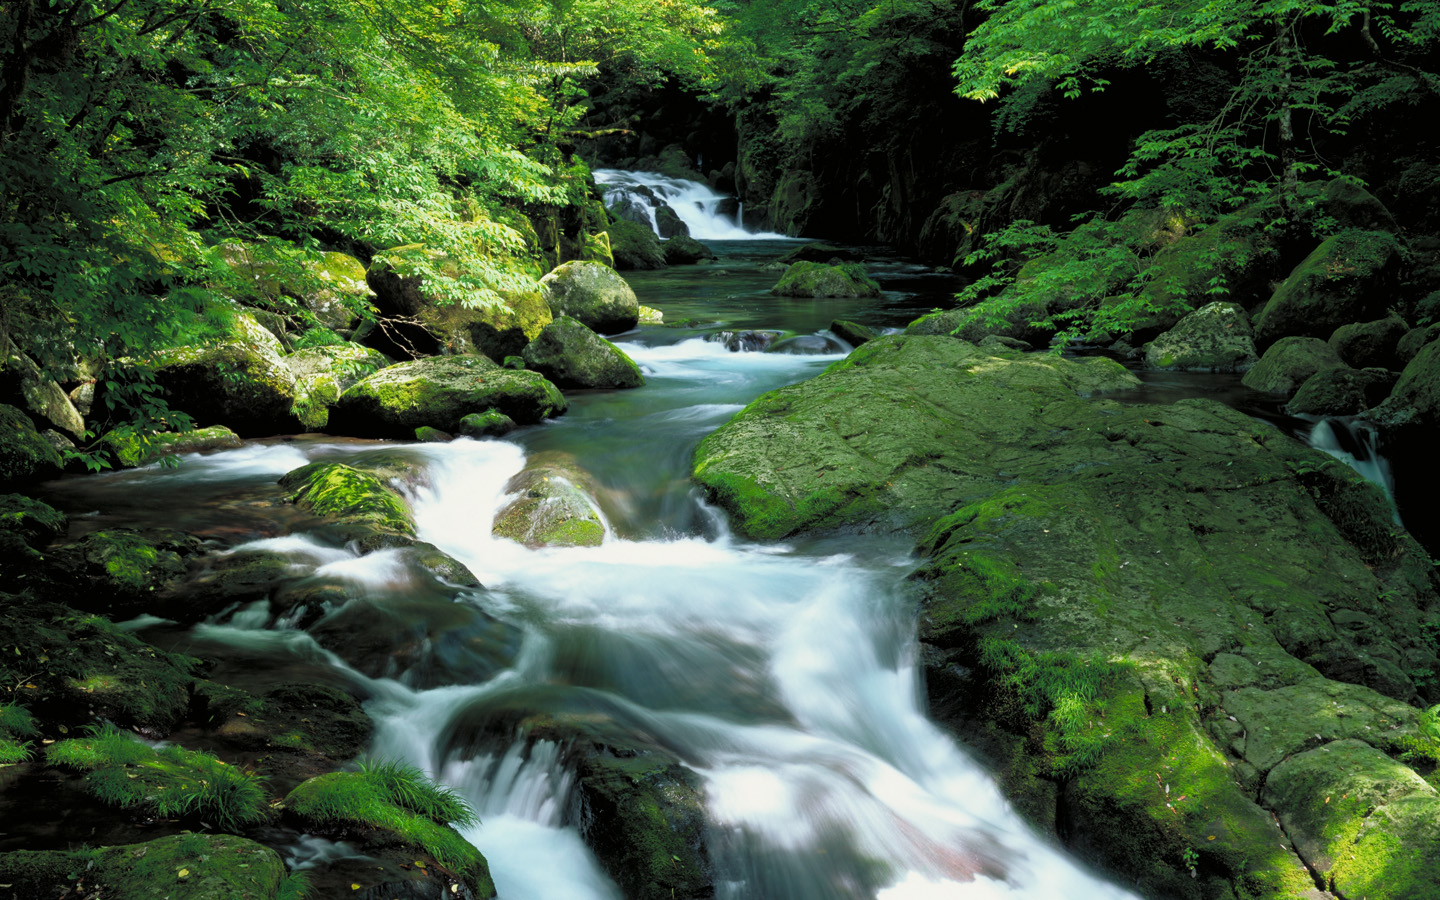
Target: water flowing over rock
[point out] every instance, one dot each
(554, 506)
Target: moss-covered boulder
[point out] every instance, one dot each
(1027, 322)
(573, 356)
(852, 333)
(816, 454)
(132, 449)
(1239, 250)
(1414, 403)
(241, 383)
(593, 295)
(811, 279)
(1367, 345)
(26, 526)
(439, 392)
(635, 246)
(1289, 362)
(21, 377)
(348, 496)
(683, 250)
(179, 867)
(491, 423)
(554, 506)
(1135, 613)
(1214, 338)
(79, 668)
(1366, 824)
(25, 456)
(1414, 341)
(121, 573)
(1341, 392)
(1348, 278)
(329, 285)
(323, 373)
(389, 805)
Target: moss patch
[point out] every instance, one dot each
(349, 496)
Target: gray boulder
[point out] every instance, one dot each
(1214, 338)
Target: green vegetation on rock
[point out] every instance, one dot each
(348, 495)
(439, 392)
(813, 279)
(571, 355)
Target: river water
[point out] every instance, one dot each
(783, 674)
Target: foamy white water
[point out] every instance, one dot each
(696, 204)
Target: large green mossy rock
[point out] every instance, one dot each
(314, 727)
(1370, 344)
(1364, 822)
(1341, 392)
(78, 669)
(322, 374)
(1346, 279)
(180, 867)
(635, 246)
(896, 434)
(813, 279)
(348, 496)
(573, 356)
(1239, 250)
(330, 285)
(26, 527)
(592, 294)
(42, 395)
(1214, 338)
(1414, 404)
(683, 250)
(132, 449)
(120, 572)
(439, 392)
(554, 505)
(1289, 363)
(25, 456)
(242, 384)
(1135, 613)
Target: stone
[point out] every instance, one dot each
(809, 279)
(1214, 338)
(1414, 341)
(25, 456)
(323, 373)
(1351, 206)
(852, 333)
(1289, 362)
(1341, 392)
(1348, 278)
(1366, 345)
(42, 395)
(439, 392)
(491, 423)
(635, 246)
(685, 250)
(242, 384)
(555, 506)
(744, 341)
(593, 294)
(573, 356)
(347, 495)
(1026, 323)
(668, 223)
(131, 449)
(820, 252)
(1414, 403)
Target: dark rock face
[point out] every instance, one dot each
(1341, 392)
(1346, 279)
(684, 250)
(1289, 362)
(852, 333)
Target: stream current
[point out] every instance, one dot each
(783, 674)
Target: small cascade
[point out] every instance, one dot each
(708, 215)
(1354, 443)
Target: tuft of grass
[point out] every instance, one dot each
(398, 798)
(169, 783)
(296, 886)
(15, 723)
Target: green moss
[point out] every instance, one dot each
(348, 495)
(24, 454)
(180, 867)
(814, 279)
(172, 782)
(401, 801)
(132, 448)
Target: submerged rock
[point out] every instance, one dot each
(571, 355)
(592, 294)
(810, 279)
(439, 392)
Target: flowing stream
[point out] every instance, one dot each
(783, 674)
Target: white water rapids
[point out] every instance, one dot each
(699, 206)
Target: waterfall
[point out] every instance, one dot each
(1354, 444)
(709, 216)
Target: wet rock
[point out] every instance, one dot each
(1341, 392)
(744, 341)
(317, 725)
(809, 345)
(852, 333)
(1214, 338)
(347, 495)
(180, 867)
(122, 573)
(555, 506)
(684, 250)
(1366, 345)
(322, 374)
(634, 247)
(1346, 279)
(1289, 362)
(820, 252)
(439, 392)
(491, 423)
(808, 279)
(571, 355)
(224, 581)
(24, 455)
(668, 223)
(592, 294)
